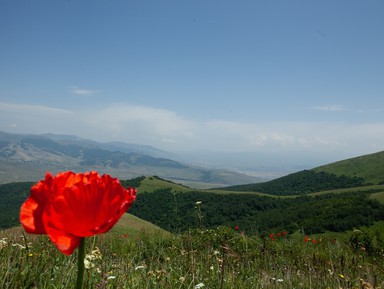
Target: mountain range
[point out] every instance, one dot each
(27, 157)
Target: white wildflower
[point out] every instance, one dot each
(3, 243)
(18, 246)
(88, 264)
(200, 285)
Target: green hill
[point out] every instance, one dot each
(12, 195)
(132, 225)
(368, 167)
(152, 183)
(356, 172)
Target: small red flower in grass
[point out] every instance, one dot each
(69, 206)
(306, 238)
(236, 228)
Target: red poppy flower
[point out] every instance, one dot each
(306, 239)
(236, 228)
(71, 206)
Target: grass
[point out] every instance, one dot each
(369, 167)
(150, 184)
(378, 196)
(134, 226)
(218, 258)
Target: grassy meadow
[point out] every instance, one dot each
(137, 254)
(275, 245)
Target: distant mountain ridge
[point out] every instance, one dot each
(27, 158)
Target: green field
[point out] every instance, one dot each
(138, 256)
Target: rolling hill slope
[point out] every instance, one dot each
(351, 173)
(368, 167)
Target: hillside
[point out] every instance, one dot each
(132, 225)
(174, 207)
(309, 200)
(368, 167)
(12, 195)
(356, 172)
(28, 157)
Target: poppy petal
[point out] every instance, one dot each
(89, 205)
(66, 243)
(71, 206)
(29, 217)
(32, 209)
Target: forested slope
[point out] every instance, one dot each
(303, 182)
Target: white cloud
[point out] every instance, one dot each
(167, 130)
(331, 108)
(31, 109)
(82, 92)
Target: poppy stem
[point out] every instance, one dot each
(80, 264)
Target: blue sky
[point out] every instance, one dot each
(229, 76)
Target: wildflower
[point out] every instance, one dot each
(18, 246)
(277, 280)
(111, 277)
(198, 203)
(95, 254)
(69, 206)
(285, 233)
(90, 258)
(236, 228)
(278, 234)
(125, 236)
(88, 264)
(200, 285)
(140, 267)
(3, 243)
(306, 238)
(314, 241)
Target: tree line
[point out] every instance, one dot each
(300, 183)
(177, 212)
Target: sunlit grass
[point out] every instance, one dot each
(378, 196)
(219, 258)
